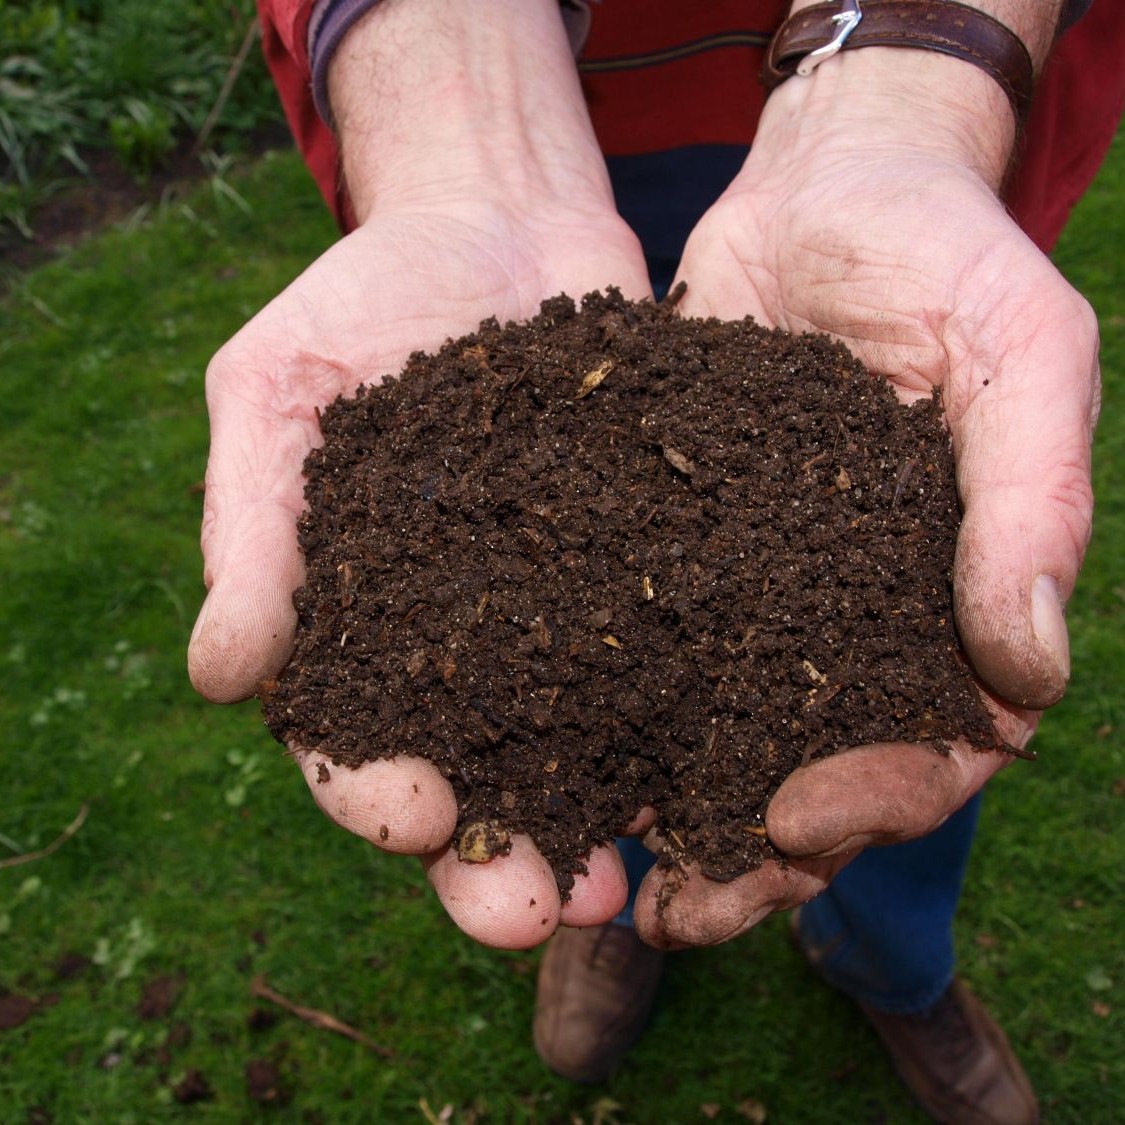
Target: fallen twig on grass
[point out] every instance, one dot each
(322, 1020)
(233, 72)
(54, 845)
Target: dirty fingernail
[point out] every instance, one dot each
(1049, 623)
(759, 915)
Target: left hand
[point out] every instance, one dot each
(883, 229)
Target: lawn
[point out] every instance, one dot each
(128, 955)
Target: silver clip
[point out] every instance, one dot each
(846, 22)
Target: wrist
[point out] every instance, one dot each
(885, 100)
(434, 103)
(943, 84)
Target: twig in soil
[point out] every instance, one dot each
(509, 387)
(54, 845)
(322, 1020)
(675, 296)
(903, 477)
(823, 456)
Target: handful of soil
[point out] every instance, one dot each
(613, 558)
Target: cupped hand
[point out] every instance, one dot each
(407, 279)
(900, 248)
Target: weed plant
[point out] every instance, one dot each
(203, 862)
(127, 76)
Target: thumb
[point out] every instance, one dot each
(252, 563)
(1022, 444)
(245, 628)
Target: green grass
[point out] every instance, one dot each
(79, 78)
(203, 855)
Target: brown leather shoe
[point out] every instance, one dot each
(958, 1062)
(955, 1058)
(596, 990)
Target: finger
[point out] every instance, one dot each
(641, 823)
(510, 902)
(600, 894)
(400, 804)
(1022, 428)
(874, 795)
(260, 436)
(245, 628)
(680, 908)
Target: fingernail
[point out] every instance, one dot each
(1049, 623)
(759, 915)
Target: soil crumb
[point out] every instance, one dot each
(192, 1088)
(264, 1084)
(615, 557)
(159, 997)
(15, 1010)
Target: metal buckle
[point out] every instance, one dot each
(846, 22)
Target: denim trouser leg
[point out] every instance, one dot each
(637, 859)
(883, 930)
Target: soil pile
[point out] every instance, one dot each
(614, 557)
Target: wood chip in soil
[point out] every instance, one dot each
(614, 557)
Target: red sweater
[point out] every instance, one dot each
(660, 75)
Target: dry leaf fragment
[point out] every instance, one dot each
(752, 1110)
(482, 605)
(812, 673)
(843, 481)
(611, 640)
(678, 461)
(592, 378)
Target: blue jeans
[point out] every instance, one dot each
(883, 930)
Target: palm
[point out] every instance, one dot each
(402, 282)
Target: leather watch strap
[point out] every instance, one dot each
(932, 25)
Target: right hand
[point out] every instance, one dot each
(403, 281)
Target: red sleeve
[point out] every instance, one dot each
(285, 29)
(673, 75)
(1078, 104)
(661, 76)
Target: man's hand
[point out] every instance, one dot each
(873, 216)
(473, 201)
